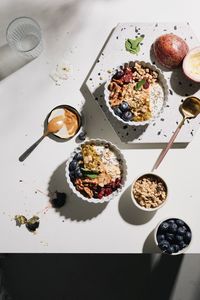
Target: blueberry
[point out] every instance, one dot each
(124, 106)
(127, 115)
(82, 136)
(78, 173)
(178, 238)
(181, 230)
(182, 245)
(72, 175)
(187, 237)
(32, 226)
(170, 250)
(171, 221)
(176, 248)
(117, 111)
(172, 228)
(118, 74)
(59, 201)
(163, 227)
(179, 222)
(73, 165)
(169, 237)
(160, 237)
(78, 156)
(164, 245)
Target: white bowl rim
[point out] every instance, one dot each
(135, 201)
(156, 230)
(123, 165)
(163, 83)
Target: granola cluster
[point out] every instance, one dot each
(131, 85)
(150, 191)
(95, 171)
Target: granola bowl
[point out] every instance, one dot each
(136, 93)
(96, 171)
(173, 236)
(149, 192)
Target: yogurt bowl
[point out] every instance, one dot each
(96, 171)
(136, 93)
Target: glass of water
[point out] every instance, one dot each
(24, 36)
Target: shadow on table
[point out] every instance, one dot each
(10, 61)
(75, 209)
(130, 213)
(90, 276)
(149, 244)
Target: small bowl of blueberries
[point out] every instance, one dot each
(173, 236)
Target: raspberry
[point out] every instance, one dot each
(108, 191)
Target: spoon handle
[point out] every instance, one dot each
(166, 149)
(31, 148)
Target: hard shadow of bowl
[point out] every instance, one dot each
(75, 208)
(181, 84)
(149, 244)
(130, 213)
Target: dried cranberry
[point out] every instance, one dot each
(146, 85)
(108, 191)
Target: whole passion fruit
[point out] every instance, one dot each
(169, 50)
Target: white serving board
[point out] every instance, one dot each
(114, 53)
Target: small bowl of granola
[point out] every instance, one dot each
(149, 192)
(136, 93)
(96, 171)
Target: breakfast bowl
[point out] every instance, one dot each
(149, 192)
(173, 236)
(136, 93)
(96, 171)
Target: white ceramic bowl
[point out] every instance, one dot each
(123, 167)
(162, 82)
(155, 236)
(135, 201)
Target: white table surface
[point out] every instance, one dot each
(77, 30)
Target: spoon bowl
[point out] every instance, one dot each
(190, 107)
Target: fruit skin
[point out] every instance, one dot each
(169, 237)
(78, 173)
(181, 230)
(187, 237)
(180, 222)
(182, 245)
(73, 164)
(124, 106)
(82, 136)
(78, 157)
(117, 111)
(164, 245)
(170, 249)
(169, 50)
(163, 227)
(172, 228)
(160, 237)
(186, 70)
(176, 248)
(178, 238)
(59, 201)
(127, 115)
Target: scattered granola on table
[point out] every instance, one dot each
(135, 92)
(96, 171)
(150, 191)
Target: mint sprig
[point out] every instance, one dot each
(133, 45)
(139, 84)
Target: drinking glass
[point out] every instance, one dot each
(24, 35)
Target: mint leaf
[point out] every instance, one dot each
(92, 176)
(133, 45)
(139, 84)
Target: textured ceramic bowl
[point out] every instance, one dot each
(156, 242)
(123, 168)
(144, 208)
(162, 82)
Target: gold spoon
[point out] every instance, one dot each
(190, 108)
(53, 126)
